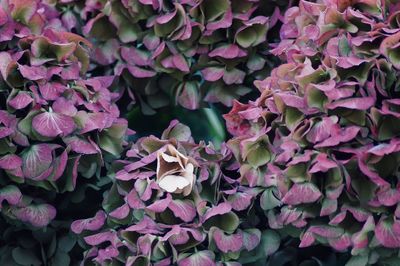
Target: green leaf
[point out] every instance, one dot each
(25, 257)
(61, 259)
(270, 242)
(259, 157)
(292, 116)
(227, 222)
(269, 200)
(357, 261)
(214, 8)
(66, 243)
(316, 98)
(344, 47)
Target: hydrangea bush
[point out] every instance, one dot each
(58, 129)
(322, 138)
(308, 177)
(181, 51)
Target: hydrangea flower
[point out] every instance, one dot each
(57, 125)
(321, 139)
(182, 52)
(145, 220)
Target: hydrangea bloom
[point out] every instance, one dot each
(183, 51)
(58, 127)
(144, 222)
(322, 139)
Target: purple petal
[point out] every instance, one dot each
(11, 194)
(80, 145)
(302, 193)
(38, 215)
(64, 106)
(183, 209)
(240, 201)
(59, 165)
(322, 164)
(36, 160)
(213, 73)
(140, 72)
(201, 258)
(121, 212)
(33, 72)
(220, 209)
(227, 243)
(145, 226)
(354, 103)
(90, 224)
(386, 235)
(160, 205)
(22, 100)
(51, 91)
(389, 197)
(134, 201)
(251, 238)
(50, 124)
(10, 161)
(107, 253)
(107, 236)
(228, 51)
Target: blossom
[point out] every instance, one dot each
(175, 171)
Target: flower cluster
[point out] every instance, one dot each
(58, 127)
(322, 138)
(170, 202)
(182, 51)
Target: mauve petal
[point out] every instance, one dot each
(33, 72)
(10, 161)
(227, 243)
(11, 194)
(200, 258)
(38, 215)
(5, 132)
(64, 106)
(322, 164)
(389, 197)
(134, 201)
(36, 160)
(183, 209)
(22, 100)
(213, 73)
(120, 212)
(90, 224)
(166, 18)
(140, 72)
(341, 243)
(386, 235)
(307, 240)
(160, 205)
(220, 209)
(51, 91)
(354, 103)
(99, 238)
(228, 51)
(51, 124)
(80, 145)
(302, 193)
